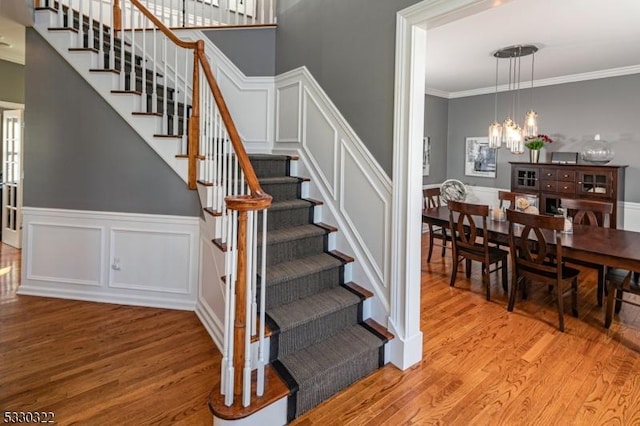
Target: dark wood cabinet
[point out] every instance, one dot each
(552, 182)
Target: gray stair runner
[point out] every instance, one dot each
(319, 345)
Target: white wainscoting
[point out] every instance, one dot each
(250, 99)
(134, 259)
(210, 306)
(344, 174)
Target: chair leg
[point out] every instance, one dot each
(467, 268)
(618, 296)
(505, 276)
(609, 310)
(601, 287)
(574, 297)
(454, 271)
(430, 245)
(444, 241)
(515, 281)
(560, 303)
(486, 280)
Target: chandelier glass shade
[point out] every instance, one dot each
(509, 132)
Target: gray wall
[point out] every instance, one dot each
(253, 50)
(436, 119)
(570, 113)
(80, 154)
(349, 47)
(11, 82)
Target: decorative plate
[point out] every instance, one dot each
(453, 190)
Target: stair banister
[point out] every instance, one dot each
(246, 206)
(221, 156)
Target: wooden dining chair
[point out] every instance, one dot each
(507, 196)
(431, 199)
(534, 260)
(619, 281)
(465, 243)
(592, 213)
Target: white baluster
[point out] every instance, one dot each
(80, 42)
(112, 52)
(254, 277)
(263, 302)
(176, 130)
(154, 64)
(122, 58)
(90, 43)
(132, 72)
(60, 15)
(184, 110)
(101, 29)
(165, 111)
(143, 94)
(70, 14)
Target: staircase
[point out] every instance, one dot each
(319, 343)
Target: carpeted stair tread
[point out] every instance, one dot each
(313, 307)
(327, 367)
(278, 236)
(274, 180)
(264, 157)
(301, 267)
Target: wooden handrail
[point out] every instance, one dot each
(238, 147)
(174, 38)
(256, 200)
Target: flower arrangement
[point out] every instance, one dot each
(536, 143)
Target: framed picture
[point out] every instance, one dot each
(480, 160)
(426, 156)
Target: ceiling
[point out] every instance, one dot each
(11, 34)
(578, 40)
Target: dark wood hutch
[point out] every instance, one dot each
(552, 182)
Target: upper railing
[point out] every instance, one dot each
(172, 82)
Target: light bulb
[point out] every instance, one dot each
(530, 124)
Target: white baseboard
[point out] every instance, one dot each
(133, 259)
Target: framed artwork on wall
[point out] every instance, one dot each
(480, 160)
(426, 156)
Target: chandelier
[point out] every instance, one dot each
(509, 132)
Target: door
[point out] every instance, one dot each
(12, 178)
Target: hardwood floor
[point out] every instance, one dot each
(107, 364)
(483, 365)
(101, 364)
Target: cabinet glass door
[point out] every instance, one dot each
(596, 184)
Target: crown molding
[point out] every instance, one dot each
(572, 78)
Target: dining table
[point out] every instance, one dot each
(610, 247)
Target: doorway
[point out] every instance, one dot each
(12, 139)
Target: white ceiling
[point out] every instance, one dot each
(578, 40)
(11, 33)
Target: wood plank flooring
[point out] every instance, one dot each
(485, 366)
(101, 364)
(109, 364)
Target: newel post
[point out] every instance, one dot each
(194, 120)
(240, 326)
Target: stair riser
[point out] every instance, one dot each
(297, 288)
(277, 219)
(271, 168)
(300, 337)
(311, 394)
(283, 191)
(291, 250)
